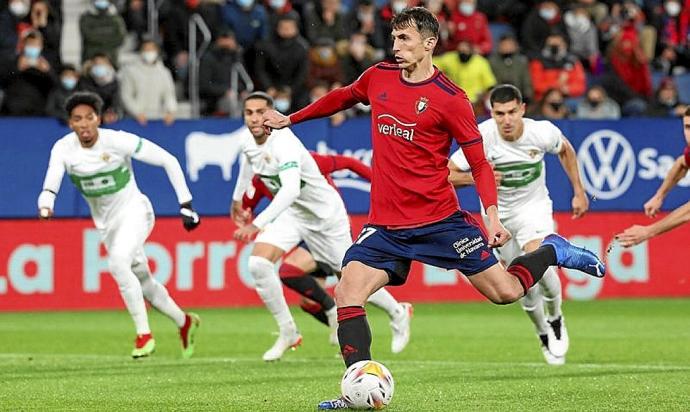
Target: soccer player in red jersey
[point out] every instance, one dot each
(415, 215)
(637, 234)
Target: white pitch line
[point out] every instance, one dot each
(454, 363)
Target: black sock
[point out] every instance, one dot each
(316, 311)
(354, 334)
(308, 287)
(530, 267)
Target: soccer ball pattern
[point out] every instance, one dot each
(367, 384)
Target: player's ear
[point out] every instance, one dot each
(430, 43)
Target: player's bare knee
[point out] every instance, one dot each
(504, 296)
(349, 293)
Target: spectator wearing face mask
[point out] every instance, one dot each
(282, 100)
(215, 75)
(556, 68)
(249, 21)
(598, 106)
(147, 89)
(364, 19)
(666, 102)
(468, 70)
(31, 81)
(44, 20)
(674, 38)
(275, 9)
(100, 77)
(175, 26)
(324, 63)
(512, 67)
(324, 19)
(552, 106)
(469, 24)
(584, 38)
(102, 31)
(55, 107)
(285, 61)
(12, 19)
(544, 19)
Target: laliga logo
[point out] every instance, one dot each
(608, 164)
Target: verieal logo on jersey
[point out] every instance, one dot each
(608, 164)
(389, 125)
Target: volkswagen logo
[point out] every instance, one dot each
(608, 164)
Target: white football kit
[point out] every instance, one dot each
(122, 214)
(305, 207)
(524, 205)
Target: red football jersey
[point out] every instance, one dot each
(413, 125)
(686, 155)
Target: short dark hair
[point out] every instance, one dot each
(687, 111)
(417, 17)
(504, 93)
(261, 96)
(87, 98)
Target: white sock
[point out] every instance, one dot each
(550, 285)
(384, 300)
(270, 290)
(157, 294)
(130, 290)
(533, 306)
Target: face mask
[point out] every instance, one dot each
(556, 105)
(149, 56)
(69, 83)
(245, 4)
(325, 53)
(101, 4)
(19, 9)
(282, 105)
(594, 103)
(398, 7)
(32, 52)
(466, 9)
(365, 17)
(578, 22)
(465, 57)
(672, 8)
(547, 13)
(277, 4)
(100, 70)
(506, 56)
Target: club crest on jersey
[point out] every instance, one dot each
(105, 157)
(421, 105)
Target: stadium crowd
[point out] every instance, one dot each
(582, 59)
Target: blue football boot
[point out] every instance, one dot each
(573, 257)
(333, 404)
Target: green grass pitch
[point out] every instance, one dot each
(625, 355)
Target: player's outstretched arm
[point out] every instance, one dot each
(568, 158)
(677, 172)
(155, 155)
(333, 102)
(637, 234)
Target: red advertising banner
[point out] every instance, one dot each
(60, 265)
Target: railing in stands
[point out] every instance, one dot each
(196, 22)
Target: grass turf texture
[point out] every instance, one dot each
(624, 355)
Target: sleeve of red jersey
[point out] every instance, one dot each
(332, 163)
(686, 156)
(336, 100)
(260, 191)
(463, 126)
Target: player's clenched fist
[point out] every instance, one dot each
(653, 205)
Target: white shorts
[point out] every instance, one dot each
(327, 239)
(130, 228)
(533, 221)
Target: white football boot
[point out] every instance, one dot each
(288, 339)
(400, 326)
(558, 337)
(549, 357)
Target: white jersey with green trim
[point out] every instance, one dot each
(283, 158)
(103, 173)
(521, 162)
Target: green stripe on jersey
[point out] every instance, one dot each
(288, 165)
(141, 141)
(519, 174)
(105, 183)
(274, 184)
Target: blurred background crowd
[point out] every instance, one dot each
(167, 59)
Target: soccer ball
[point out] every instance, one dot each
(367, 384)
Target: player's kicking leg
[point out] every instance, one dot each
(160, 299)
(295, 273)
